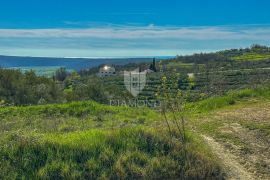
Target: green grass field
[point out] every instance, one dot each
(86, 140)
(252, 56)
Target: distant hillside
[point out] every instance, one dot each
(69, 63)
(253, 53)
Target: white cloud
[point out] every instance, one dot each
(147, 32)
(129, 40)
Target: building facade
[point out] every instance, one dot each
(106, 71)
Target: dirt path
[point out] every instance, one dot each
(232, 167)
(240, 139)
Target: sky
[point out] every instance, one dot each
(124, 28)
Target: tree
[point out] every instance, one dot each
(61, 74)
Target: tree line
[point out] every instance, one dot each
(18, 88)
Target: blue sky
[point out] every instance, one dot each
(106, 28)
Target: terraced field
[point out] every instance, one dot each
(252, 56)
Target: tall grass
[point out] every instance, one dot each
(86, 140)
(136, 153)
(72, 117)
(229, 99)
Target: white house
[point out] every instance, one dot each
(148, 71)
(106, 71)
